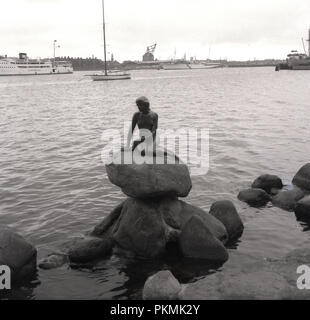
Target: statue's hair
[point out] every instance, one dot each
(143, 102)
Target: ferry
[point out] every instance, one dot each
(23, 66)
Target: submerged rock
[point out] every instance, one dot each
(18, 254)
(226, 212)
(150, 180)
(254, 197)
(161, 286)
(302, 208)
(267, 182)
(197, 241)
(287, 199)
(274, 191)
(302, 177)
(53, 261)
(90, 249)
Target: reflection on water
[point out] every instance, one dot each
(54, 186)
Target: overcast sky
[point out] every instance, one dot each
(233, 29)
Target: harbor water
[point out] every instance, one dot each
(53, 184)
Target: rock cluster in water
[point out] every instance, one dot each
(270, 188)
(251, 284)
(153, 217)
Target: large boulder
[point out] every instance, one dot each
(144, 227)
(145, 180)
(90, 249)
(302, 208)
(196, 241)
(254, 197)
(287, 199)
(140, 228)
(177, 213)
(302, 177)
(267, 182)
(214, 225)
(226, 212)
(161, 286)
(18, 254)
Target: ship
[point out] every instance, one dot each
(196, 64)
(23, 66)
(108, 75)
(179, 64)
(296, 60)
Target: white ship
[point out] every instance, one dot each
(186, 65)
(204, 65)
(175, 65)
(23, 66)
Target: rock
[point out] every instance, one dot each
(171, 210)
(253, 285)
(302, 209)
(214, 225)
(141, 228)
(150, 180)
(274, 191)
(226, 212)
(53, 261)
(267, 182)
(161, 286)
(254, 197)
(254, 278)
(287, 199)
(177, 213)
(18, 254)
(258, 285)
(90, 249)
(197, 241)
(302, 177)
(145, 227)
(106, 226)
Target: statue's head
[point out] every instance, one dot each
(143, 104)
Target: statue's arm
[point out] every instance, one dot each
(155, 126)
(132, 128)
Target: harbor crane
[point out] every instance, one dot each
(151, 49)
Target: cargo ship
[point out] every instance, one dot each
(23, 66)
(296, 60)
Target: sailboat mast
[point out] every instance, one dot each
(104, 40)
(309, 42)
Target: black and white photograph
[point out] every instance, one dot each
(154, 151)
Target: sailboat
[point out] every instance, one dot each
(108, 75)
